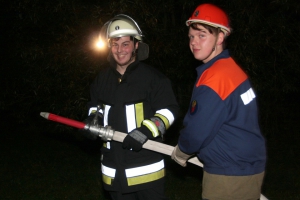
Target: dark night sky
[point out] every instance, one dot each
(46, 65)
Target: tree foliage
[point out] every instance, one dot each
(49, 61)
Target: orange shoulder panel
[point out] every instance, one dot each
(224, 76)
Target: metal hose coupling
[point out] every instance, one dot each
(106, 133)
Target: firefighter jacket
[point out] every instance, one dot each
(126, 101)
(221, 126)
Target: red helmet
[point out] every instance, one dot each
(211, 15)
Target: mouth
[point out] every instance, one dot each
(121, 55)
(196, 50)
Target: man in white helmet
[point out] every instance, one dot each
(137, 99)
(221, 127)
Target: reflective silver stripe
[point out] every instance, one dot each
(91, 110)
(168, 114)
(94, 109)
(152, 127)
(147, 169)
(108, 171)
(248, 96)
(108, 145)
(130, 115)
(106, 111)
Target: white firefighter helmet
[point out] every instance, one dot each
(119, 26)
(123, 25)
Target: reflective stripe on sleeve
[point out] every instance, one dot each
(165, 115)
(152, 127)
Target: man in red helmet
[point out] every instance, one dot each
(221, 127)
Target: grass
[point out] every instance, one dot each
(41, 164)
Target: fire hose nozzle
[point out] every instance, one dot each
(106, 133)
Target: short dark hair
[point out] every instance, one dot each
(211, 29)
(131, 38)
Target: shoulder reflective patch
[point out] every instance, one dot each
(193, 107)
(248, 96)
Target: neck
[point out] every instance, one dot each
(121, 69)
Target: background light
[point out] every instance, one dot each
(100, 44)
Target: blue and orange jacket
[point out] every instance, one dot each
(221, 126)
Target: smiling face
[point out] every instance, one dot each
(122, 49)
(204, 43)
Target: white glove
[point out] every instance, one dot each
(179, 156)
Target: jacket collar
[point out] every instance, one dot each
(203, 67)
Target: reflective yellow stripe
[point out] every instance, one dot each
(167, 116)
(108, 174)
(139, 114)
(164, 119)
(106, 145)
(134, 115)
(152, 127)
(137, 175)
(107, 180)
(146, 178)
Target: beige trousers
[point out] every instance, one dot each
(220, 187)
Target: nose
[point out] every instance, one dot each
(192, 41)
(119, 48)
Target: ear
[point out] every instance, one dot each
(221, 38)
(137, 45)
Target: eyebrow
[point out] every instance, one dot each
(200, 30)
(122, 42)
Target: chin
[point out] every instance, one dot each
(200, 58)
